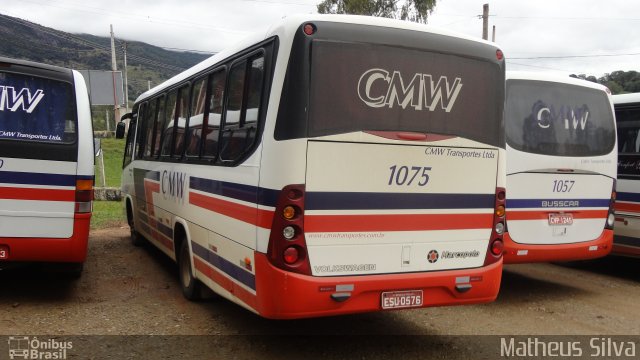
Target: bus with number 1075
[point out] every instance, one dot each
(332, 165)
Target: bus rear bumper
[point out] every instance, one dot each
(72, 249)
(286, 295)
(516, 253)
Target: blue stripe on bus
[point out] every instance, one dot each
(144, 227)
(28, 178)
(390, 201)
(625, 196)
(164, 229)
(215, 260)
(626, 240)
(549, 203)
(247, 193)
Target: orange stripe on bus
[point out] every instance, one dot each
(217, 277)
(248, 214)
(396, 222)
(16, 193)
(631, 207)
(544, 215)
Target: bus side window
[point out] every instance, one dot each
(150, 123)
(142, 121)
(216, 97)
(128, 148)
(167, 128)
(182, 111)
(243, 107)
(159, 126)
(196, 117)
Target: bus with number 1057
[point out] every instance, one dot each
(331, 165)
(561, 168)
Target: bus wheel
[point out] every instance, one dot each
(136, 237)
(189, 284)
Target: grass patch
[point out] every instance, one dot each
(107, 214)
(113, 150)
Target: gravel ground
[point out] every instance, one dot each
(126, 290)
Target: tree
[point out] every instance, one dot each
(412, 10)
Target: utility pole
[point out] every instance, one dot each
(126, 86)
(493, 35)
(485, 21)
(114, 68)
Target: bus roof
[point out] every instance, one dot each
(287, 26)
(626, 98)
(541, 76)
(8, 62)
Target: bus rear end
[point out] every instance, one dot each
(561, 169)
(46, 164)
(389, 153)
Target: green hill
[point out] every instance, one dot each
(146, 63)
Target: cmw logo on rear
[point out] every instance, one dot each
(571, 117)
(422, 92)
(14, 100)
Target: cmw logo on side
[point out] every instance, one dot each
(12, 100)
(423, 91)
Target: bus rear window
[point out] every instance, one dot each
(558, 119)
(36, 109)
(359, 86)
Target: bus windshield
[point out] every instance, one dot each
(558, 119)
(36, 109)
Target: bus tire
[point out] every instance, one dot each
(136, 238)
(191, 287)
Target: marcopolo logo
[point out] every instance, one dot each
(24, 347)
(378, 88)
(432, 256)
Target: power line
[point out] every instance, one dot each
(565, 18)
(78, 40)
(539, 67)
(570, 56)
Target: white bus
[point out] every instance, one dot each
(627, 232)
(46, 164)
(561, 168)
(332, 165)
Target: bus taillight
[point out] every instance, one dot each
(287, 248)
(611, 215)
(84, 196)
(496, 245)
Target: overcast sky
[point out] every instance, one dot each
(590, 37)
